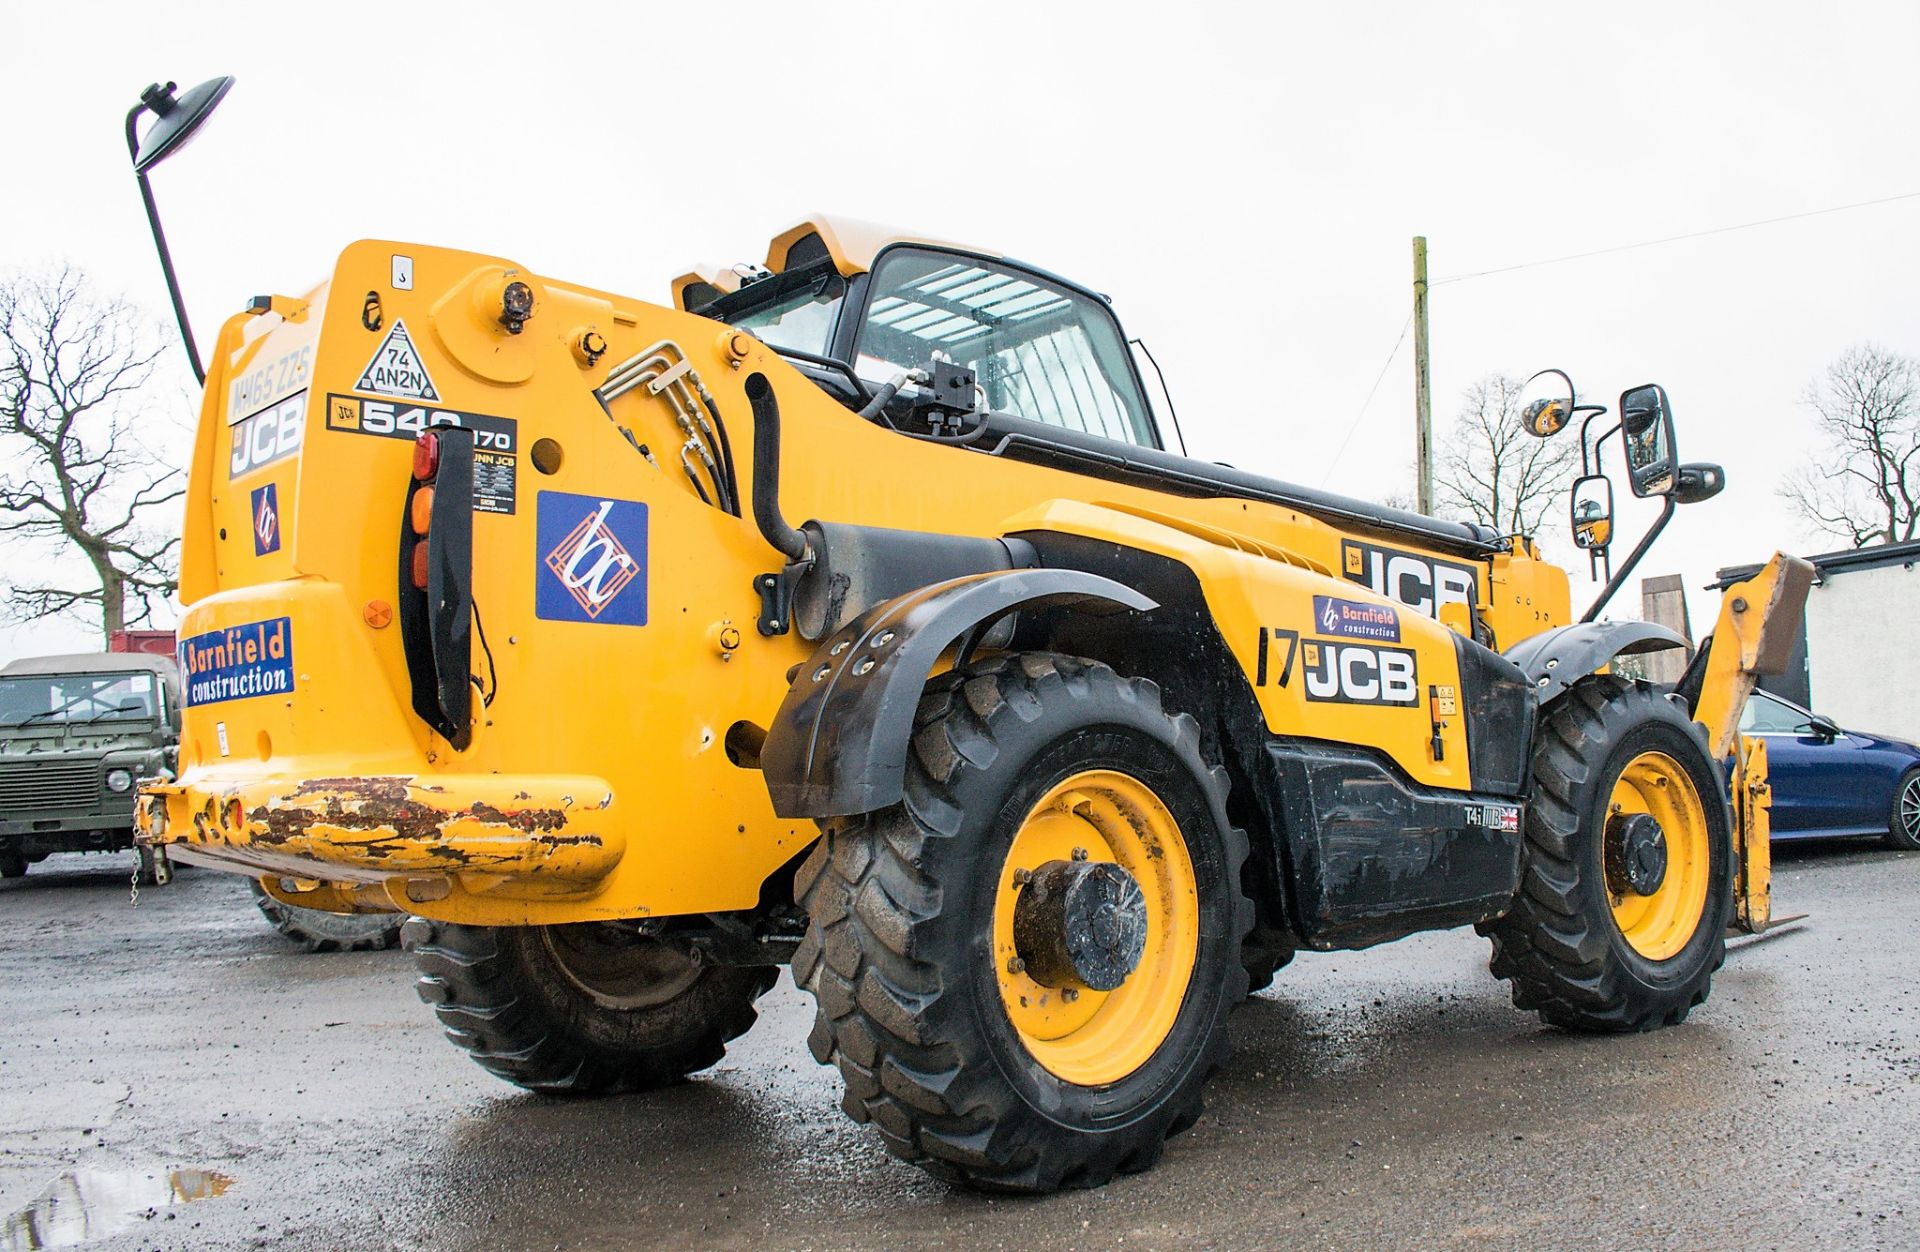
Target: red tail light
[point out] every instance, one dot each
(426, 458)
(417, 564)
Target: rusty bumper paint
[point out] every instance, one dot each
(393, 827)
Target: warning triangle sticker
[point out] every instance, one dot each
(396, 369)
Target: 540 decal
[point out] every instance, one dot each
(496, 440)
(400, 420)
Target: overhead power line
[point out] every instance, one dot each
(1364, 404)
(1695, 234)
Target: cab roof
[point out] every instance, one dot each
(89, 663)
(852, 245)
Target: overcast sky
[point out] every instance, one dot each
(1243, 180)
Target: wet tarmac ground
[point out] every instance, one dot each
(178, 1076)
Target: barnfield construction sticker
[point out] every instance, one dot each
(253, 659)
(396, 368)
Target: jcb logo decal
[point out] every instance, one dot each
(1355, 673)
(1338, 672)
(1422, 583)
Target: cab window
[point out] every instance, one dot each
(1764, 716)
(1040, 350)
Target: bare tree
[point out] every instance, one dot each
(1491, 470)
(77, 474)
(1865, 486)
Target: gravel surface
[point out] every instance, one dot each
(179, 1076)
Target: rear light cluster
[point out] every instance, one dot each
(426, 464)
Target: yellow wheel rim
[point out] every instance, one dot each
(1089, 1037)
(1659, 925)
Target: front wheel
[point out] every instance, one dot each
(588, 1008)
(1024, 968)
(1627, 865)
(12, 865)
(1903, 823)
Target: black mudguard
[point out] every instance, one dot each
(1554, 660)
(838, 746)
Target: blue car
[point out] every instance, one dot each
(1828, 781)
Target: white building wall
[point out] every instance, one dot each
(1863, 649)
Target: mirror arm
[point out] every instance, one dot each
(1639, 550)
(160, 243)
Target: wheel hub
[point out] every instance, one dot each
(1636, 854)
(1080, 924)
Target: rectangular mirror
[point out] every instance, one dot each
(1593, 511)
(1646, 428)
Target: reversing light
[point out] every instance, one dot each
(426, 458)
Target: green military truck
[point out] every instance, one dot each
(76, 732)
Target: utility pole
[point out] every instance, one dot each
(1422, 394)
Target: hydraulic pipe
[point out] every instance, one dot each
(766, 471)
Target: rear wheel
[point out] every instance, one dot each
(1024, 969)
(1627, 876)
(12, 865)
(320, 931)
(1903, 821)
(582, 1009)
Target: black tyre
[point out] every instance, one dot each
(13, 865)
(1903, 823)
(320, 931)
(947, 1040)
(1264, 954)
(1619, 924)
(584, 1009)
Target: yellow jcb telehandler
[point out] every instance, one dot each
(1033, 746)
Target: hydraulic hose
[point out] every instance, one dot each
(766, 471)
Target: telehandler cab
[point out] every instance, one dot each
(1033, 747)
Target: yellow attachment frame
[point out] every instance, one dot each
(1753, 828)
(1759, 619)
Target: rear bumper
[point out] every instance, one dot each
(369, 829)
(288, 689)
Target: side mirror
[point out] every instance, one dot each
(1646, 427)
(1825, 727)
(175, 118)
(1592, 511)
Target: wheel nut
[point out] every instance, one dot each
(1021, 877)
(1069, 994)
(1016, 966)
(1079, 854)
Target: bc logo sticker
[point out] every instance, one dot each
(1352, 619)
(593, 560)
(266, 519)
(254, 659)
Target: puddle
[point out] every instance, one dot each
(83, 1205)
